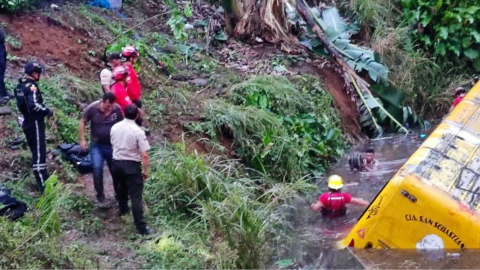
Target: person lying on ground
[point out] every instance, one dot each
(459, 94)
(114, 60)
(101, 115)
(333, 203)
(369, 164)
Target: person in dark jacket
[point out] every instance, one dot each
(30, 104)
(4, 95)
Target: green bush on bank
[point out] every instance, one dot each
(15, 5)
(447, 28)
(277, 129)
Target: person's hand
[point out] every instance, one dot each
(145, 176)
(83, 145)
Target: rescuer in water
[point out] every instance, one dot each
(459, 93)
(333, 203)
(365, 162)
(369, 164)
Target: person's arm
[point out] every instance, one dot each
(82, 126)
(316, 206)
(143, 146)
(359, 201)
(105, 79)
(33, 102)
(451, 109)
(81, 134)
(146, 165)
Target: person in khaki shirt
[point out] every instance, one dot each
(130, 146)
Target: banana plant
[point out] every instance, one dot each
(333, 34)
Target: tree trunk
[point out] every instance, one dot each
(233, 11)
(249, 19)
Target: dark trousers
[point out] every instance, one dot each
(3, 67)
(99, 153)
(35, 134)
(127, 181)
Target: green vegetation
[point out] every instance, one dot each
(448, 29)
(15, 5)
(177, 24)
(278, 129)
(215, 198)
(15, 43)
(65, 93)
(34, 241)
(422, 76)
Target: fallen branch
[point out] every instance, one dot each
(314, 23)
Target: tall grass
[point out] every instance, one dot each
(261, 139)
(276, 93)
(33, 241)
(374, 13)
(232, 211)
(427, 83)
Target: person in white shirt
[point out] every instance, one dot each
(114, 60)
(130, 148)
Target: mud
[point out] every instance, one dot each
(51, 43)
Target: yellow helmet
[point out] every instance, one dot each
(335, 182)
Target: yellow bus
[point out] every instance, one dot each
(432, 202)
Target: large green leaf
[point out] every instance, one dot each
(335, 22)
(359, 58)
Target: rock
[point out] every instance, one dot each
(170, 48)
(5, 110)
(199, 81)
(14, 147)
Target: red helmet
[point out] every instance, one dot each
(119, 72)
(130, 51)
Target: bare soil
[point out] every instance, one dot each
(51, 43)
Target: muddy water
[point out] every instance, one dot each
(311, 245)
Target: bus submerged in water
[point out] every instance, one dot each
(432, 202)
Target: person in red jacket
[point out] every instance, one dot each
(134, 89)
(120, 74)
(333, 203)
(460, 93)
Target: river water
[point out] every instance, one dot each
(310, 243)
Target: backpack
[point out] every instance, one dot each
(81, 159)
(11, 207)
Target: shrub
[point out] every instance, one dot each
(15, 5)
(447, 28)
(277, 129)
